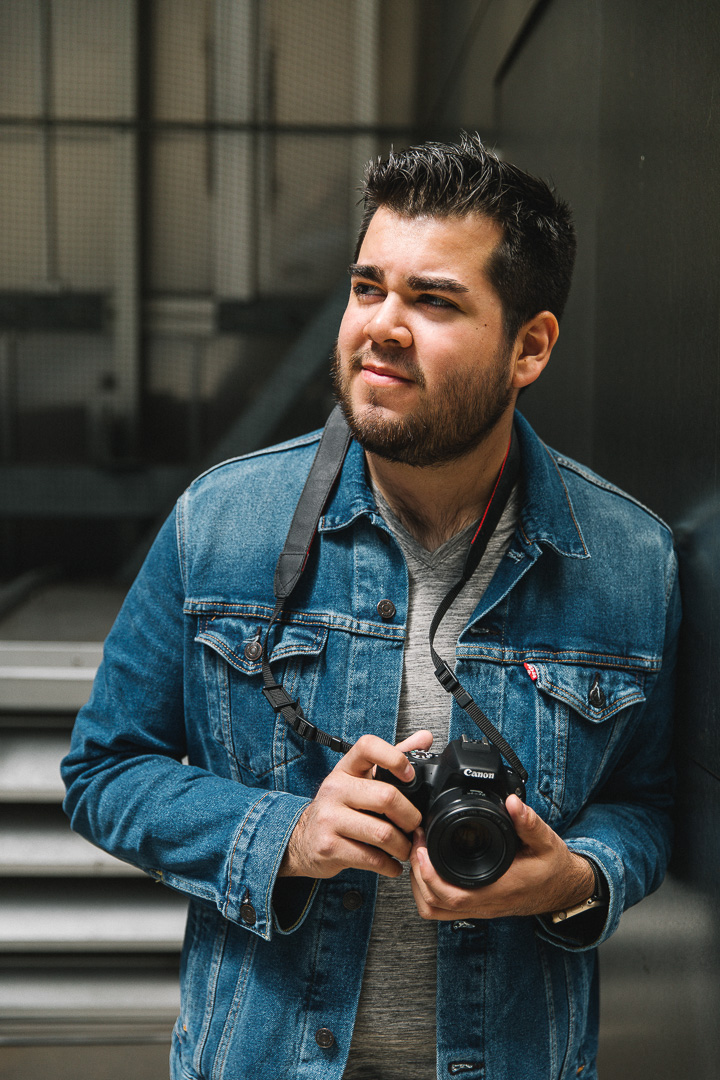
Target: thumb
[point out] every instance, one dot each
(530, 828)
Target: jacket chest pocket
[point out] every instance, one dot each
(582, 718)
(260, 744)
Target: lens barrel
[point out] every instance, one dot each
(470, 837)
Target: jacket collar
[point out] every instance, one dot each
(352, 495)
(547, 516)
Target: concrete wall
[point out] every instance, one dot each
(617, 102)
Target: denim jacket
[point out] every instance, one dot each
(179, 765)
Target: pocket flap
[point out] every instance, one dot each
(231, 636)
(595, 693)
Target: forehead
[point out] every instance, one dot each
(449, 246)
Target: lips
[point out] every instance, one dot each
(380, 375)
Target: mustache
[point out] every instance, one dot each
(396, 359)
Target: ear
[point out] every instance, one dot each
(533, 346)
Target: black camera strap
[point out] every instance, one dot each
(507, 478)
(323, 474)
(321, 479)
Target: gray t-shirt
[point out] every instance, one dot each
(394, 1035)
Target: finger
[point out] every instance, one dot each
(372, 824)
(422, 894)
(425, 910)
(336, 836)
(371, 750)
(429, 885)
(352, 854)
(378, 832)
(360, 855)
(532, 831)
(372, 797)
(419, 740)
(430, 904)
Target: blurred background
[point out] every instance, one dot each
(178, 205)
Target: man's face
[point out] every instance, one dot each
(422, 366)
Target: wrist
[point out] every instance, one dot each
(291, 864)
(586, 878)
(591, 891)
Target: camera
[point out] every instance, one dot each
(461, 794)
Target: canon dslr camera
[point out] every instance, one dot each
(461, 795)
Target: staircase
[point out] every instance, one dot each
(89, 946)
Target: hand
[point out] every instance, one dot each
(544, 876)
(354, 820)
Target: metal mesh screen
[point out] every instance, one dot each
(179, 186)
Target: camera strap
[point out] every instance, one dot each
(322, 477)
(507, 478)
(323, 474)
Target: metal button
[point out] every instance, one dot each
(386, 609)
(324, 1038)
(247, 913)
(253, 649)
(596, 697)
(352, 900)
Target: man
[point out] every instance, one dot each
(322, 941)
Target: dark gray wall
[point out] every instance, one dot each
(619, 101)
(548, 114)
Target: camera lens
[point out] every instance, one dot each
(470, 838)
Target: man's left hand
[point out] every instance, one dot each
(544, 876)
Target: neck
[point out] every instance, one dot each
(435, 503)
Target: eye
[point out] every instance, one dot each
(362, 289)
(435, 301)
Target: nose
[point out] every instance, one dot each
(388, 325)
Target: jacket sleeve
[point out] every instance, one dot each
(627, 828)
(129, 788)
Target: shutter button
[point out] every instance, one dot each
(324, 1038)
(386, 609)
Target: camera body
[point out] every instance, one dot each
(461, 794)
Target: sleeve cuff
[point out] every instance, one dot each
(253, 865)
(590, 928)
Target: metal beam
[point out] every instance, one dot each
(304, 362)
(53, 491)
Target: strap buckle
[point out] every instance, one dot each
(446, 677)
(279, 698)
(303, 727)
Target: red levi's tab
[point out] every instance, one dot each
(532, 671)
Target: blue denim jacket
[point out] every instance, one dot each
(586, 597)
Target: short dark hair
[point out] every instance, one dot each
(531, 268)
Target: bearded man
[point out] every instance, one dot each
(335, 929)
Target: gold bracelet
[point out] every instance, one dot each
(597, 899)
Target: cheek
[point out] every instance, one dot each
(351, 330)
(441, 355)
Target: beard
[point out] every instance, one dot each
(458, 417)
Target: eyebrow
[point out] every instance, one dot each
(414, 281)
(374, 273)
(436, 284)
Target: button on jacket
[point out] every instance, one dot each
(179, 765)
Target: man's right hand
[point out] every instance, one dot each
(354, 820)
